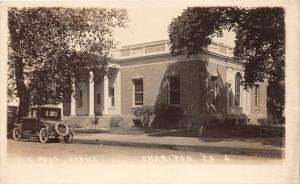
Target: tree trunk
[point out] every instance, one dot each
(22, 91)
(276, 101)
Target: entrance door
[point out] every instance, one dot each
(98, 104)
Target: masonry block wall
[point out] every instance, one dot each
(194, 75)
(259, 111)
(152, 76)
(198, 74)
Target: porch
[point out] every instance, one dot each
(97, 98)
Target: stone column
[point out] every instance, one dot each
(91, 95)
(118, 90)
(105, 95)
(73, 102)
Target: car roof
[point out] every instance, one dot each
(47, 107)
(13, 106)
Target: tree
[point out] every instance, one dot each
(51, 49)
(259, 42)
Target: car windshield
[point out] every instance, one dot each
(32, 113)
(50, 113)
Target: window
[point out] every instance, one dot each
(174, 90)
(33, 113)
(98, 99)
(256, 91)
(213, 88)
(79, 103)
(213, 85)
(112, 96)
(50, 113)
(238, 90)
(138, 91)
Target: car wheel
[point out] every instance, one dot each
(43, 135)
(68, 138)
(17, 134)
(61, 129)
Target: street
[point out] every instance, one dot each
(59, 152)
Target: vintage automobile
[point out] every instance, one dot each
(11, 117)
(43, 122)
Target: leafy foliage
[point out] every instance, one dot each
(144, 116)
(168, 113)
(51, 49)
(159, 116)
(115, 121)
(259, 42)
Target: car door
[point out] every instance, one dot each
(29, 123)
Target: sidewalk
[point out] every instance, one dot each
(240, 147)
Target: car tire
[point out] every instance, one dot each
(17, 134)
(43, 135)
(68, 138)
(63, 134)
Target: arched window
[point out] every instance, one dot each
(238, 78)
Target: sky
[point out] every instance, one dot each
(151, 24)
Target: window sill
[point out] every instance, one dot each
(175, 105)
(136, 106)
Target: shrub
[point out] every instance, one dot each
(160, 116)
(115, 121)
(167, 115)
(269, 120)
(140, 111)
(137, 121)
(218, 120)
(144, 116)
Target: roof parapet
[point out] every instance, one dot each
(163, 47)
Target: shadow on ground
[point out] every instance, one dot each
(249, 134)
(120, 130)
(35, 140)
(275, 141)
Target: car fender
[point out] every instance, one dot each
(48, 128)
(71, 129)
(18, 125)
